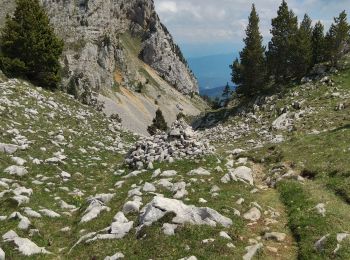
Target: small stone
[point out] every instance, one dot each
(16, 170)
(2, 254)
(321, 209)
(115, 256)
(230, 245)
(149, 187)
(207, 241)
(223, 234)
(252, 250)
(253, 214)
(279, 237)
(49, 213)
(240, 201)
(169, 229)
(272, 249)
(199, 171)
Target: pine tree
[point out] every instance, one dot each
(29, 46)
(158, 123)
(302, 49)
(280, 56)
(337, 37)
(250, 73)
(236, 73)
(226, 93)
(318, 44)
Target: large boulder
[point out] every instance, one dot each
(160, 206)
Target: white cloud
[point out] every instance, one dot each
(220, 21)
(167, 7)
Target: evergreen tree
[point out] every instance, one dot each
(29, 47)
(158, 123)
(250, 73)
(280, 55)
(337, 37)
(226, 93)
(302, 49)
(318, 44)
(236, 73)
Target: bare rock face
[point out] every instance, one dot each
(96, 33)
(162, 54)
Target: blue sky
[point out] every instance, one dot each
(208, 27)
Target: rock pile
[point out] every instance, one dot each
(180, 142)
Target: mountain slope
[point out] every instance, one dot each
(112, 45)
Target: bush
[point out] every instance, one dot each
(29, 46)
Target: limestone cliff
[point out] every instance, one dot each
(93, 31)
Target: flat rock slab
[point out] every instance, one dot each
(199, 171)
(160, 206)
(245, 174)
(24, 245)
(16, 170)
(8, 148)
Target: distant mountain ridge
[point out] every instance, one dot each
(213, 92)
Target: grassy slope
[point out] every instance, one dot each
(322, 157)
(97, 168)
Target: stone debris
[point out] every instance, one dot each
(180, 143)
(24, 245)
(115, 256)
(160, 206)
(252, 250)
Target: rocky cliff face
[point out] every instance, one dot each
(120, 50)
(94, 56)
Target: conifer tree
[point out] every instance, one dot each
(226, 93)
(250, 73)
(158, 123)
(302, 49)
(318, 44)
(29, 46)
(280, 55)
(337, 37)
(236, 73)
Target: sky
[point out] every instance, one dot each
(210, 27)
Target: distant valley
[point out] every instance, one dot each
(212, 71)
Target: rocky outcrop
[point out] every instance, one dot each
(95, 34)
